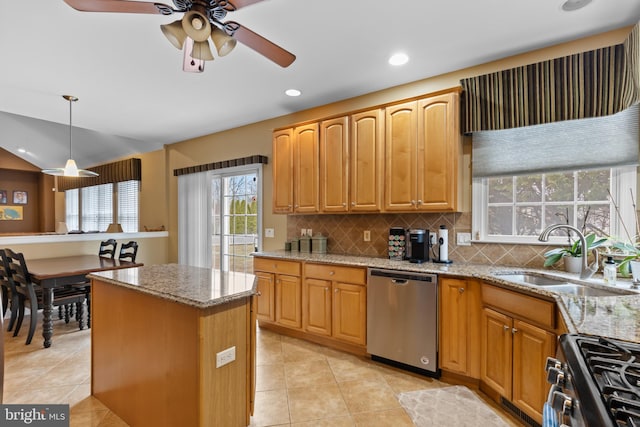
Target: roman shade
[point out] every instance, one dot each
(222, 164)
(123, 170)
(596, 83)
(609, 141)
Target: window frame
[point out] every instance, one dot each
(623, 179)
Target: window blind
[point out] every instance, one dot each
(128, 205)
(72, 209)
(97, 207)
(608, 141)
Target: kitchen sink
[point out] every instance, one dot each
(562, 285)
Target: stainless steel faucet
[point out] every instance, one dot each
(586, 271)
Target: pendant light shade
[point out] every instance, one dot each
(201, 50)
(70, 169)
(196, 25)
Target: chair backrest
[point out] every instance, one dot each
(6, 281)
(128, 251)
(20, 274)
(108, 248)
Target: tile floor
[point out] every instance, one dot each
(297, 383)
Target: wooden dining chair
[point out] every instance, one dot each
(108, 248)
(30, 295)
(128, 251)
(9, 294)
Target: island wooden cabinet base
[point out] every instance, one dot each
(153, 361)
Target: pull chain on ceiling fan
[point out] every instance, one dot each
(70, 169)
(201, 21)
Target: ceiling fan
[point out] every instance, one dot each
(202, 20)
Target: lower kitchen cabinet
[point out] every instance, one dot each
(514, 350)
(335, 302)
(279, 287)
(459, 322)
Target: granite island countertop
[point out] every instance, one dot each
(609, 316)
(194, 286)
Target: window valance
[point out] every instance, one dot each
(123, 170)
(223, 164)
(590, 84)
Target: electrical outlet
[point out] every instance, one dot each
(366, 235)
(310, 232)
(269, 232)
(303, 232)
(463, 239)
(225, 356)
(433, 238)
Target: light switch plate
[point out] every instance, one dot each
(225, 356)
(269, 232)
(366, 236)
(463, 239)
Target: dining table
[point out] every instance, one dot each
(52, 273)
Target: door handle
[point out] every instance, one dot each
(400, 281)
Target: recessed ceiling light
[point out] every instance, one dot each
(571, 5)
(293, 92)
(22, 150)
(398, 59)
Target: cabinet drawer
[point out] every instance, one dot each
(531, 308)
(279, 266)
(336, 273)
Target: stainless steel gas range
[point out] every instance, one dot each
(595, 383)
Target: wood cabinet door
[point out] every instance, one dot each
(496, 357)
(454, 305)
(306, 168)
(350, 312)
(265, 304)
(531, 347)
(334, 165)
(288, 301)
(283, 171)
(316, 306)
(400, 188)
(437, 153)
(365, 159)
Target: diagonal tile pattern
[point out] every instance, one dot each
(297, 383)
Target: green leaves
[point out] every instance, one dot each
(575, 250)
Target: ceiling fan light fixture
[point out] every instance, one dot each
(196, 25)
(223, 42)
(201, 50)
(174, 33)
(70, 169)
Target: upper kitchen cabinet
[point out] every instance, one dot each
(365, 160)
(295, 169)
(334, 165)
(422, 148)
(351, 163)
(283, 171)
(305, 167)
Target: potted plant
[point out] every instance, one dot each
(631, 253)
(572, 255)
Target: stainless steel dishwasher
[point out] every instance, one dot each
(402, 319)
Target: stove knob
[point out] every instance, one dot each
(562, 403)
(555, 376)
(553, 362)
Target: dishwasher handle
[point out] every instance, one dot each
(399, 281)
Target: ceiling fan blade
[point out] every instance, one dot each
(261, 45)
(120, 6)
(238, 4)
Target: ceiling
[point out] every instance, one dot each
(133, 92)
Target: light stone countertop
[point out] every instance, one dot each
(194, 286)
(609, 316)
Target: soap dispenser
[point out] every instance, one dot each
(610, 271)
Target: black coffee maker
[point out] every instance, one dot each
(418, 249)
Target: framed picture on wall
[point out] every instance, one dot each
(20, 197)
(3, 197)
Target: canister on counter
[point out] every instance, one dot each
(287, 246)
(295, 245)
(305, 244)
(319, 244)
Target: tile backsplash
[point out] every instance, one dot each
(345, 236)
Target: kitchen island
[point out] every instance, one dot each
(174, 345)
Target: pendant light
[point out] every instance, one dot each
(70, 169)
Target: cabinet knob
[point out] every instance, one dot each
(353, 203)
(259, 293)
(514, 330)
(326, 289)
(505, 327)
(461, 290)
(335, 291)
(413, 202)
(419, 202)
(344, 204)
(331, 273)
(297, 206)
